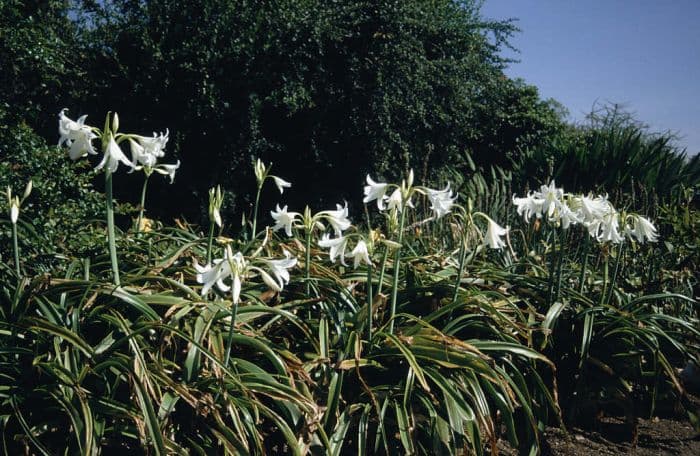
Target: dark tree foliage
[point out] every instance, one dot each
(326, 90)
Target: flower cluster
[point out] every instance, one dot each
(603, 222)
(145, 151)
(237, 269)
(441, 200)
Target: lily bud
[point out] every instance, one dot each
(115, 122)
(14, 210)
(27, 190)
(216, 200)
(260, 171)
(105, 131)
(410, 178)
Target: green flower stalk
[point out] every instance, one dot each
(15, 203)
(142, 206)
(111, 237)
(397, 267)
(216, 200)
(145, 151)
(262, 173)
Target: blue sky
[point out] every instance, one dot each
(644, 54)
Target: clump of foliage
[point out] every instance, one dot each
(447, 333)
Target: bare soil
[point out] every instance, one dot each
(657, 436)
(665, 435)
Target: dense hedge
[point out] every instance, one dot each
(325, 89)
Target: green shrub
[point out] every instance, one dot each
(63, 203)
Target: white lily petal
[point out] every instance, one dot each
(281, 183)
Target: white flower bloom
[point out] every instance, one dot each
(337, 218)
(360, 254)
(284, 219)
(168, 170)
(567, 217)
(112, 156)
(281, 183)
(642, 229)
(592, 210)
(237, 268)
(279, 269)
(336, 245)
(231, 266)
(609, 228)
(394, 201)
(551, 198)
(493, 235)
(441, 201)
(146, 151)
(76, 135)
(529, 206)
(375, 191)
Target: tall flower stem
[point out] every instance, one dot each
(142, 207)
(616, 269)
(210, 242)
(229, 344)
(307, 267)
(603, 292)
(582, 278)
(370, 311)
(110, 228)
(15, 245)
(397, 267)
(382, 271)
(255, 211)
(560, 267)
(462, 258)
(552, 268)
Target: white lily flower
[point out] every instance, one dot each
(146, 151)
(441, 201)
(529, 206)
(592, 209)
(231, 266)
(643, 229)
(337, 218)
(281, 183)
(609, 228)
(284, 219)
(167, 170)
(493, 235)
(394, 201)
(567, 217)
(76, 135)
(112, 156)
(279, 269)
(551, 196)
(360, 254)
(375, 191)
(336, 245)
